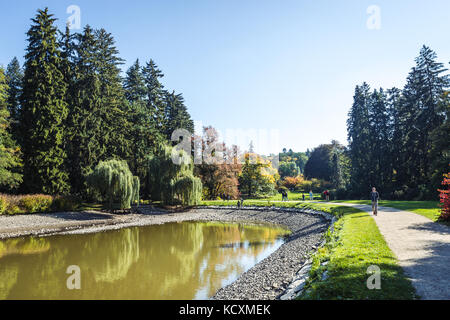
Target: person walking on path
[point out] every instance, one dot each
(303, 196)
(374, 196)
(311, 197)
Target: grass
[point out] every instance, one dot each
(294, 196)
(355, 244)
(428, 209)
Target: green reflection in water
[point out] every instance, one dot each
(188, 260)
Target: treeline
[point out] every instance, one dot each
(68, 108)
(292, 163)
(398, 139)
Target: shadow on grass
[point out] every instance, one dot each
(351, 283)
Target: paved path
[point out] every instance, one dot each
(421, 246)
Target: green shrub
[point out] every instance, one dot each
(14, 209)
(3, 204)
(36, 203)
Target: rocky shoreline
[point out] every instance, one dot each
(275, 277)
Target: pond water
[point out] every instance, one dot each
(187, 260)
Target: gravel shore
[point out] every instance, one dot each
(266, 280)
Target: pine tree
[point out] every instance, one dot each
(10, 160)
(14, 79)
(44, 110)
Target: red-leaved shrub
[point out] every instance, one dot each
(445, 198)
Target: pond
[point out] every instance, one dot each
(187, 260)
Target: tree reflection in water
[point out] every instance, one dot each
(187, 260)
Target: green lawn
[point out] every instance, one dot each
(294, 196)
(429, 209)
(355, 245)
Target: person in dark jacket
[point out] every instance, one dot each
(374, 196)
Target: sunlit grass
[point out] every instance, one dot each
(428, 209)
(294, 196)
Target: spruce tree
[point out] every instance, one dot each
(14, 79)
(422, 95)
(336, 171)
(113, 99)
(155, 95)
(44, 110)
(398, 128)
(10, 160)
(84, 119)
(177, 116)
(440, 145)
(358, 130)
(143, 134)
(98, 115)
(380, 169)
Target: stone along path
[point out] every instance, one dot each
(421, 246)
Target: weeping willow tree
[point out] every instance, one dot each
(171, 177)
(115, 183)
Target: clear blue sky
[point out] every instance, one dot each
(284, 65)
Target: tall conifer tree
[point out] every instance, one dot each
(155, 95)
(177, 116)
(144, 135)
(44, 109)
(10, 160)
(14, 79)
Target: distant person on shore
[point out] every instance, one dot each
(374, 196)
(303, 196)
(327, 195)
(283, 195)
(311, 196)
